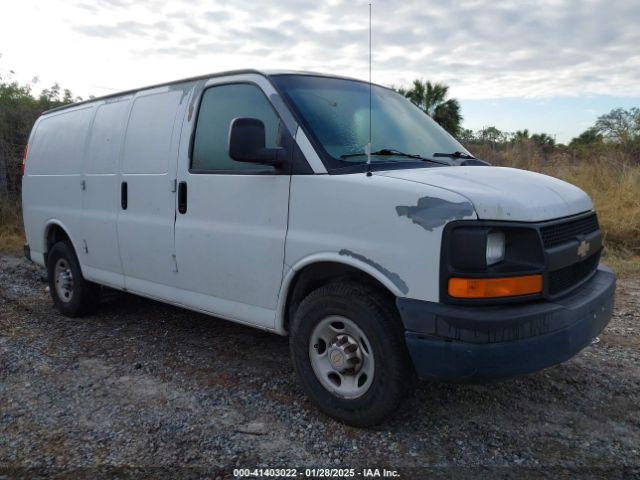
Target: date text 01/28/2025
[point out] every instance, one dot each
(314, 473)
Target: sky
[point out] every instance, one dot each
(550, 66)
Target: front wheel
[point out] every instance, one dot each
(349, 354)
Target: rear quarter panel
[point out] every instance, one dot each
(51, 187)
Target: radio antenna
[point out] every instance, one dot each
(368, 147)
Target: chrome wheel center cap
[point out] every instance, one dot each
(344, 355)
(336, 357)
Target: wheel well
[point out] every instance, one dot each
(55, 234)
(316, 275)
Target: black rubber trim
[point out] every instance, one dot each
(488, 345)
(27, 252)
(504, 323)
(566, 254)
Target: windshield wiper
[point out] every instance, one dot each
(467, 160)
(390, 152)
(465, 156)
(384, 152)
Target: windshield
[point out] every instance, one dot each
(336, 111)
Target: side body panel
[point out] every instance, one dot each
(52, 185)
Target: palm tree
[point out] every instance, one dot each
(588, 138)
(543, 139)
(432, 99)
(520, 136)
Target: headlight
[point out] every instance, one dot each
(484, 260)
(495, 248)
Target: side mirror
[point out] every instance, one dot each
(247, 143)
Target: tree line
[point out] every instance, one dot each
(620, 127)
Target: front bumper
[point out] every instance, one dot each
(461, 343)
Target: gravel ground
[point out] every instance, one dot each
(146, 389)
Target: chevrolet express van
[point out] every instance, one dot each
(252, 197)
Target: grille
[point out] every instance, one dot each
(567, 277)
(560, 233)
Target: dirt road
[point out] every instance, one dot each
(145, 385)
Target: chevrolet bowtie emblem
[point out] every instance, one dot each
(583, 248)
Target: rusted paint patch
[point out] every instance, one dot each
(392, 276)
(432, 213)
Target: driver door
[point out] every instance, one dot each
(231, 217)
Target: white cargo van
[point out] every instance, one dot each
(249, 196)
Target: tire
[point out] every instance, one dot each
(72, 295)
(354, 402)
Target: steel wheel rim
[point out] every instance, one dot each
(63, 280)
(341, 357)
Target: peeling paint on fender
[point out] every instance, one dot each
(393, 277)
(432, 213)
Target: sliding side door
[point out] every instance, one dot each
(147, 193)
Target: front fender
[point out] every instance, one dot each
(390, 281)
(389, 229)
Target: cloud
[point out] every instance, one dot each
(483, 48)
(120, 29)
(216, 16)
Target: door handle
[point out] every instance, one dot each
(182, 197)
(124, 195)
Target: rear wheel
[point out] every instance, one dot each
(72, 295)
(348, 350)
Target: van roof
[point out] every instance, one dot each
(265, 73)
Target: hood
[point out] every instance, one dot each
(499, 193)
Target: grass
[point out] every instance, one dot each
(609, 176)
(11, 230)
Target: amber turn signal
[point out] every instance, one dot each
(495, 287)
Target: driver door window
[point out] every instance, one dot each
(219, 106)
